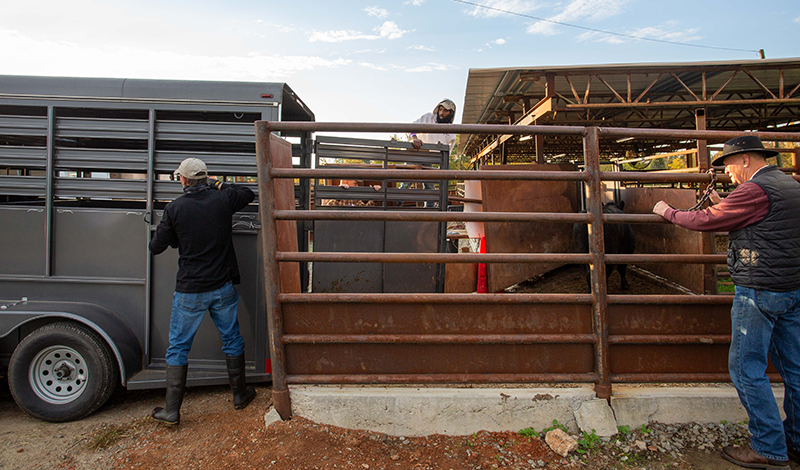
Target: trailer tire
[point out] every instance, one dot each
(61, 372)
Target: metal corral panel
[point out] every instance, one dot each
(348, 236)
(526, 237)
(410, 237)
(87, 243)
(648, 360)
(208, 349)
(22, 249)
(666, 238)
(430, 359)
(457, 353)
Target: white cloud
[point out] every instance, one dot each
(68, 59)
(277, 27)
(499, 41)
(797, 20)
(430, 67)
(372, 66)
(661, 32)
(515, 6)
(388, 30)
(578, 10)
(377, 12)
(416, 3)
(422, 48)
(339, 36)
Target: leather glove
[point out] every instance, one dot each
(214, 184)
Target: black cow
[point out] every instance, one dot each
(619, 239)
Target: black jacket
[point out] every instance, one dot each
(198, 224)
(766, 255)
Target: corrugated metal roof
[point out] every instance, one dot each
(673, 89)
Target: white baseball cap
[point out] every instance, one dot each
(192, 168)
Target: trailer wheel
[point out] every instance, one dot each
(61, 372)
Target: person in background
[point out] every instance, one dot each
(443, 113)
(199, 225)
(762, 216)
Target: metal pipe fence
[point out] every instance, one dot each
(292, 351)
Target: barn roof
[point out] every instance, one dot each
(731, 95)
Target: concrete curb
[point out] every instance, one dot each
(406, 411)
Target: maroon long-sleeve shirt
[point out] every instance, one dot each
(746, 205)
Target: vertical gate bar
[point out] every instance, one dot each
(594, 206)
(149, 209)
(306, 143)
(444, 197)
(539, 141)
(707, 245)
(48, 191)
(272, 276)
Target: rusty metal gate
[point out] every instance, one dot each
(336, 338)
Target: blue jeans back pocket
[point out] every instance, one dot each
(774, 303)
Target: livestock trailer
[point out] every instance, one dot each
(85, 172)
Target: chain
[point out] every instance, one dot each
(707, 194)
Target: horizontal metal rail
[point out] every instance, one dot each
(437, 298)
(421, 216)
(680, 378)
(440, 339)
(503, 299)
(405, 379)
(669, 339)
(576, 258)
(403, 175)
(510, 129)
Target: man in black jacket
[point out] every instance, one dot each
(198, 224)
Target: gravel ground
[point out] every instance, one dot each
(214, 435)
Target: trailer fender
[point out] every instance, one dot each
(115, 331)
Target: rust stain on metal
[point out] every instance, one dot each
(527, 237)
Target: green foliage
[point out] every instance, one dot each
(459, 162)
(555, 425)
(644, 429)
(587, 442)
(530, 432)
(725, 287)
(624, 429)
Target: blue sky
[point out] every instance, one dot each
(374, 61)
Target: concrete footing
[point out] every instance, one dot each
(407, 411)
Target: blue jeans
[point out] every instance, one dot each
(767, 323)
(188, 311)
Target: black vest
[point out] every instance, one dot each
(766, 255)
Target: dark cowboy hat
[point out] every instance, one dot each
(744, 144)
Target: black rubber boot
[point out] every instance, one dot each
(243, 394)
(176, 385)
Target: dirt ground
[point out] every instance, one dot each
(571, 279)
(213, 435)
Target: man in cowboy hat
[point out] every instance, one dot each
(199, 225)
(762, 216)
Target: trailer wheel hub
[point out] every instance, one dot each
(58, 374)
